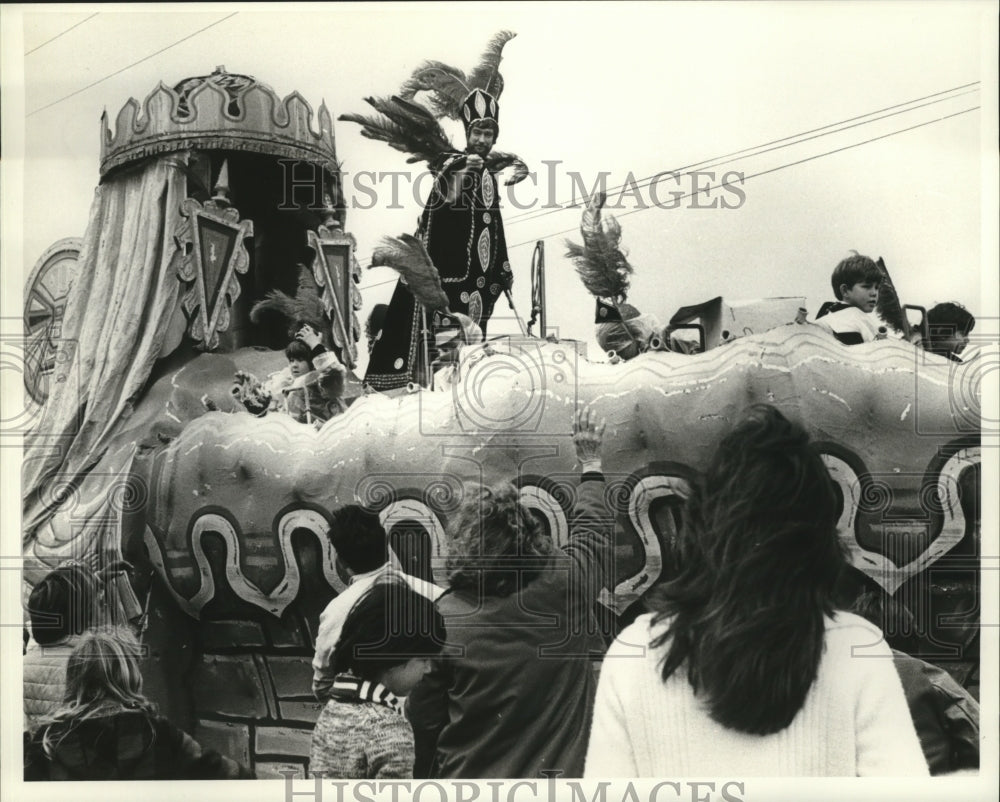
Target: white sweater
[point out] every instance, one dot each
(854, 722)
(852, 320)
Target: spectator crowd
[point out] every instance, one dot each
(744, 662)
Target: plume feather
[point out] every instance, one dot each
(486, 75)
(274, 301)
(407, 255)
(600, 262)
(448, 87)
(888, 306)
(305, 305)
(407, 127)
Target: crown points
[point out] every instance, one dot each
(226, 111)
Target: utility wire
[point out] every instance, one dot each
(71, 27)
(764, 148)
(130, 66)
(745, 178)
(772, 170)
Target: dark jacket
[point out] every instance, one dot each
(945, 716)
(131, 745)
(45, 679)
(519, 697)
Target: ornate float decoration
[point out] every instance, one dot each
(214, 253)
(221, 111)
(45, 297)
(226, 516)
(510, 419)
(338, 274)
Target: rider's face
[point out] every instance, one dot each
(480, 140)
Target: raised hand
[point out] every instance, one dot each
(588, 435)
(309, 336)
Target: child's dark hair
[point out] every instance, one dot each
(759, 560)
(298, 350)
(64, 603)
(389, 625)
(854, 270)
(359, 538)
(948, 319)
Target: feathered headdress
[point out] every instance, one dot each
(449, 87)
(306, 306)
(888, 306)
(600, 262)
(406, 124)
(407, 256)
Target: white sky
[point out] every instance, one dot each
(638, 88)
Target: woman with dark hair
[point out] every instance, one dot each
(748, 670)
(107, 730)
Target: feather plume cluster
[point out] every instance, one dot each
(448, 86)
(306, 305)
(412, 126)
(888, 306)
(407, 256)
(404, 126)
(600, 262)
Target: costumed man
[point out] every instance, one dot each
(460, 234)
(463, 231)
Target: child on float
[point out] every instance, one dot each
(855, 283)
(106, 729)
(310, 388)
(948, 328)
(384, 649)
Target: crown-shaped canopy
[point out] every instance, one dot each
(221, 111)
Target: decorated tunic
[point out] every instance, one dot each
(465, 240)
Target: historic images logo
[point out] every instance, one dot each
(305, 185)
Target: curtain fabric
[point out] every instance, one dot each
(124, 297)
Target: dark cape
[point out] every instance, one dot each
(465, 240)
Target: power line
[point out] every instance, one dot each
(761, 149)
(765, 148)
(773, 169)
(71, 27)
(133, 64)
(379, 284)
(745, 178)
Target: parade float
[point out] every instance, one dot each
(225, 516)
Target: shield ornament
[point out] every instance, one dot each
(337, 274)
(213, 242)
